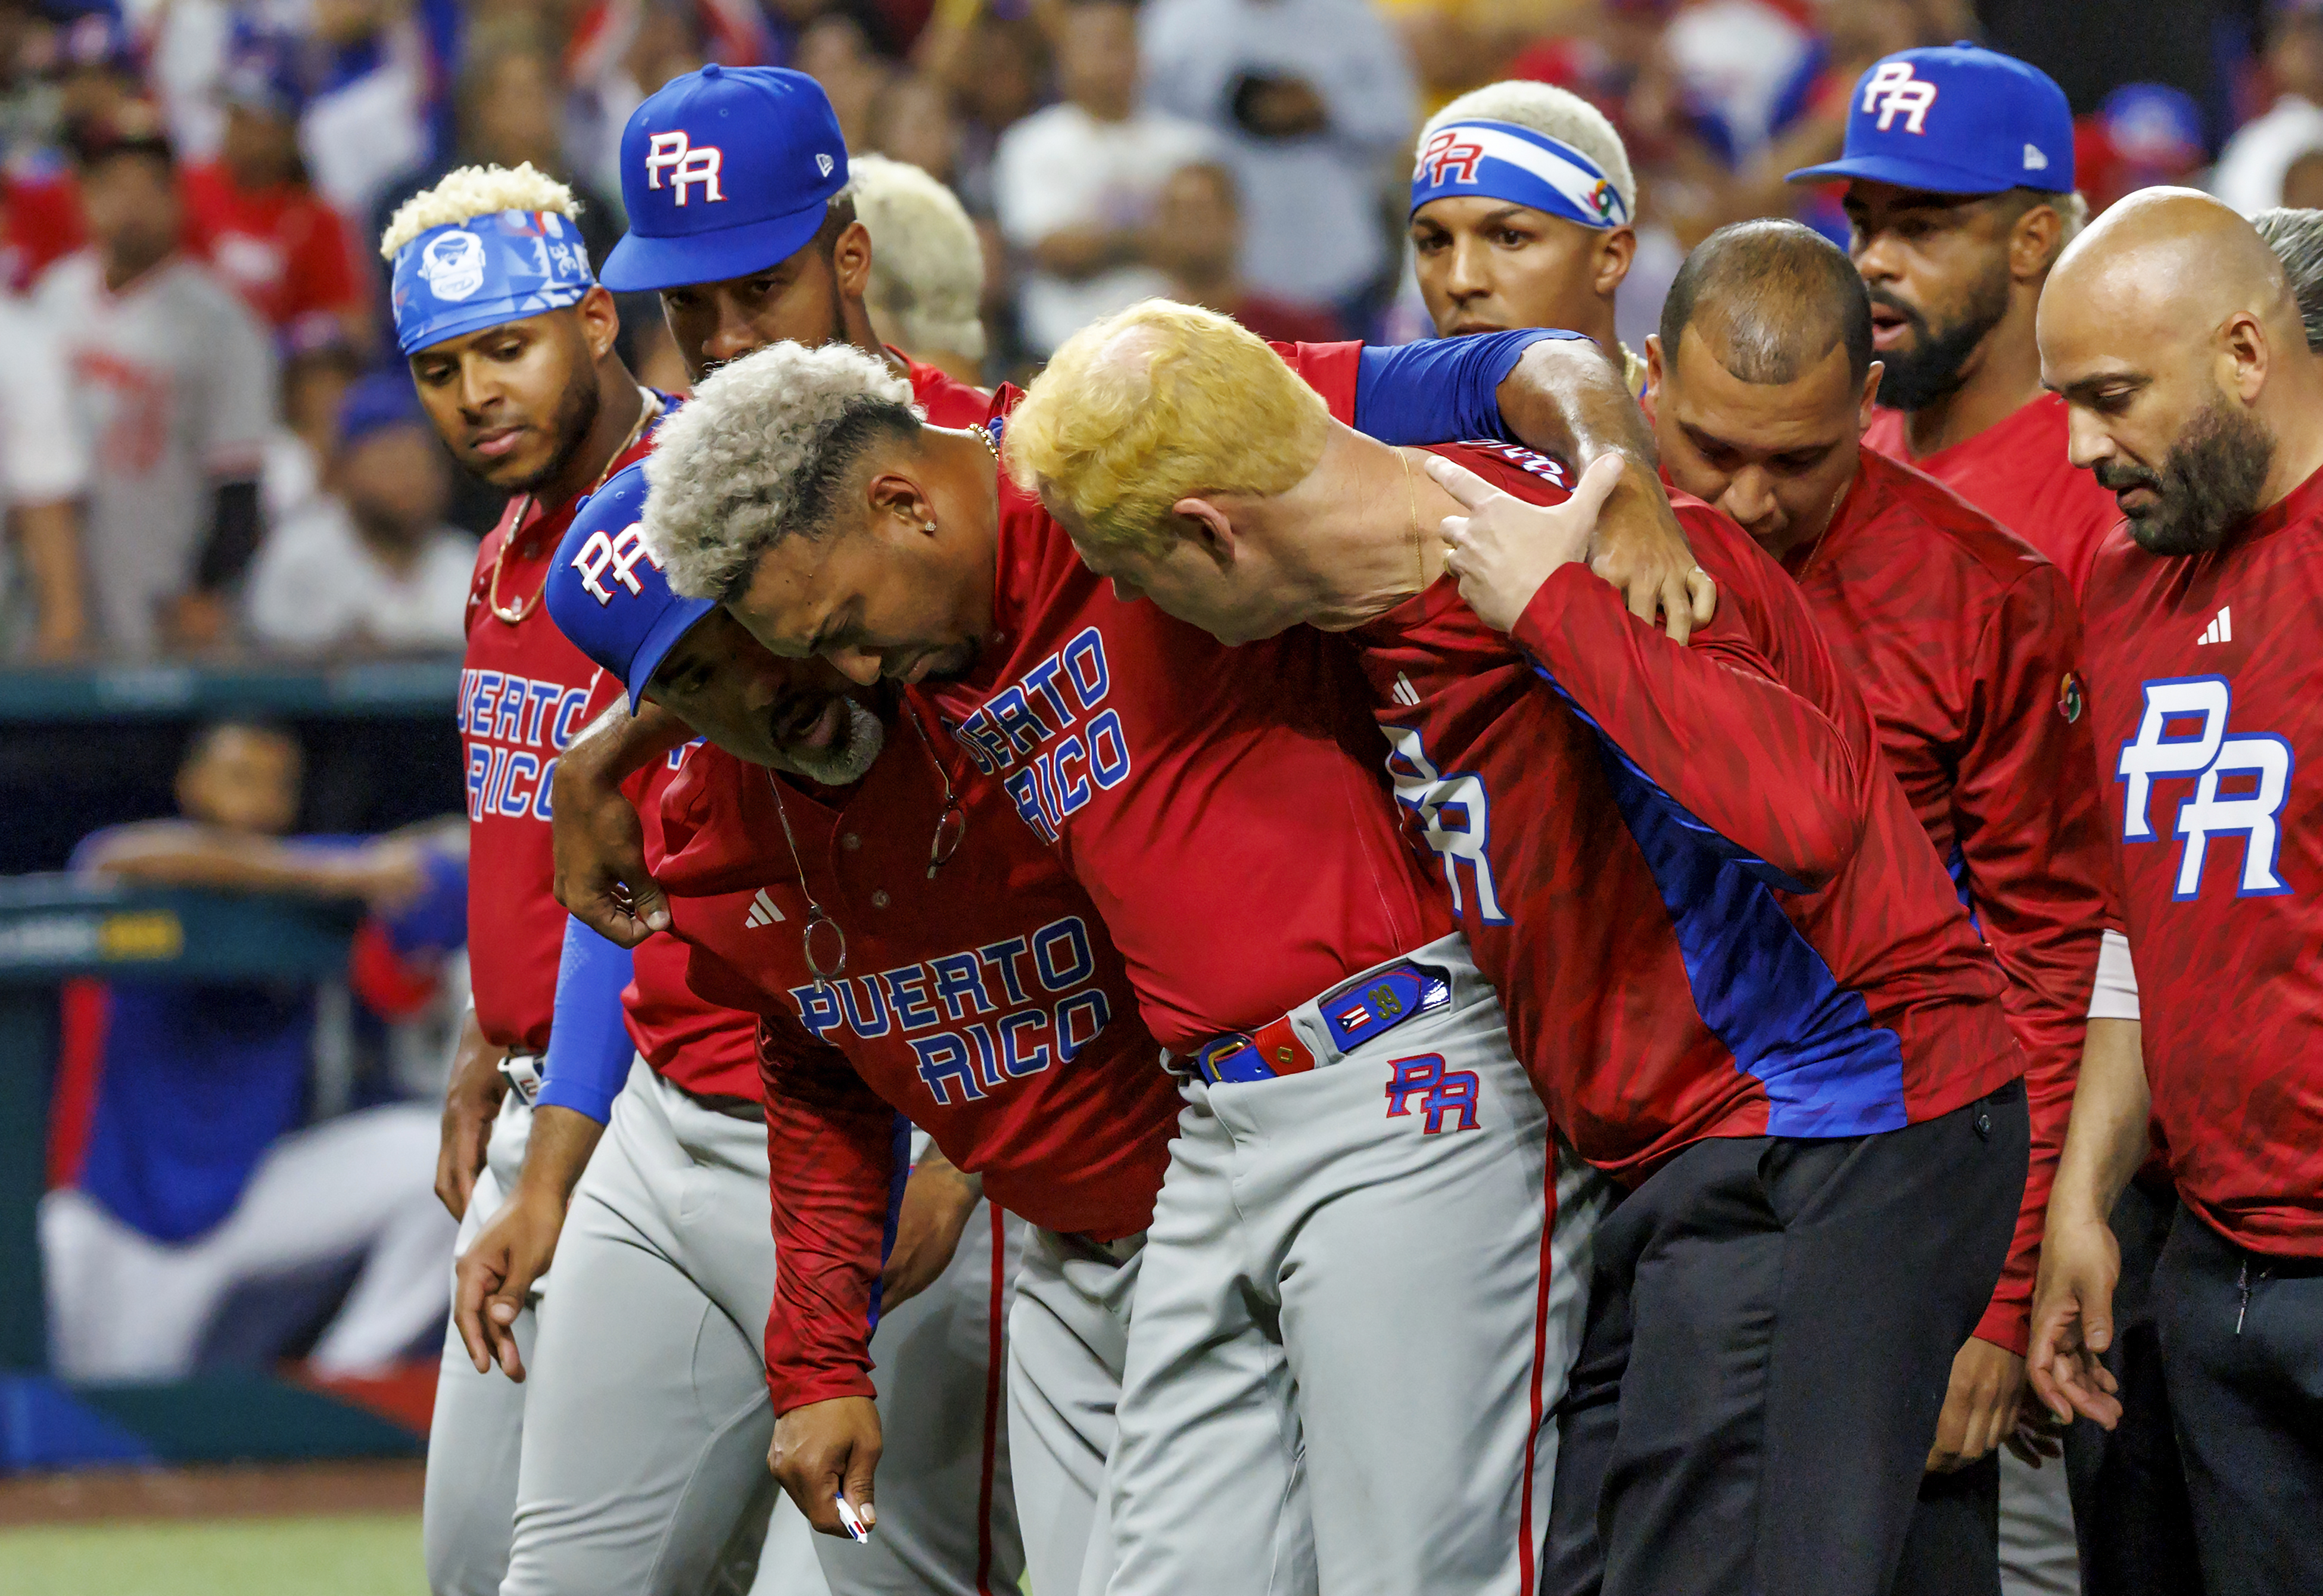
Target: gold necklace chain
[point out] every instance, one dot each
(525, 607)
(815, 917)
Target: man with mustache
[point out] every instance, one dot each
(2171, 332)
(1958, 168)
(911, 950)
(1968, 648)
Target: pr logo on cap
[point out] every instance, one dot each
(618, 554)
(687, 164)
(1892, 90)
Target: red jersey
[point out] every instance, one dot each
(1967, 647)
(2016, 472)
(2209, 730)
(1222, 806)
(710, 1050)
(283, 249)
(1705, 900)
(525, 692)
(985, 1004)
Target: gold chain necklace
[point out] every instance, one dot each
(524, 508)
(951, 830)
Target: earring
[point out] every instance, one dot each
(928, 527)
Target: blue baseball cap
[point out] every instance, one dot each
(724, 171)
(606, 591)
(1955, 119)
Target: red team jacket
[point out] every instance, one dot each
(1731, 923)
(525, 692)
(2204, 702)
(1967, 646)
(986, 1004)
(2016, 472)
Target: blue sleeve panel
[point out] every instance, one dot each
(1637, 792)
(1440, 391)
(589, 1046)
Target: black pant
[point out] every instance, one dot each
(1772, 1322)
(2130, 1520)
(2242, 1350)
(1953, 1546)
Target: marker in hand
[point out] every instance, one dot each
(851, 1523)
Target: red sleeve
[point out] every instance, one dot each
(2031, 837)
(1331, 370)
(830, 1157)
(1708, 723)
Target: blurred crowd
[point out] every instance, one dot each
(206, 446)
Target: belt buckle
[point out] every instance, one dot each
(1231, 1059)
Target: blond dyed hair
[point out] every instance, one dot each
(927, 264)
(470, 191)
(1159, 403)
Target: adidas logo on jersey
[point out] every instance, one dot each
(1405, 693)
(2221, 628)
(764, 912)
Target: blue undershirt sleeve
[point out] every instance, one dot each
(589, 1046)
(1440, 391)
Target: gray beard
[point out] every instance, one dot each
(846, 763)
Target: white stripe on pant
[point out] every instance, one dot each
(1344, 1301)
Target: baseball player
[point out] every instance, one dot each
(2175, 340)
(692, 1505)
(509, 343)
(1493, 250)
(1958, 168)
(1968, 648)
(1360, 1172)
(1734, 964)
(980, 997)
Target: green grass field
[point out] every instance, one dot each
(359, 1554)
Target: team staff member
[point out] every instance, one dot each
(510, 345)
(1771, 1124)
(1521, 208)
(1959, 166)
(1002, 1024)
(2175, 338)
(1967, 648)
(1307, 1235)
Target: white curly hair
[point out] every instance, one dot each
(927, 265)
(758, 454)
(476, 191)
(1546, 109)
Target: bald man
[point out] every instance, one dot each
(1967, 645)
(2172, 333)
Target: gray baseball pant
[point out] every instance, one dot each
(1372, 1274)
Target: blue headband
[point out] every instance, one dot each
(1500, 160)
(501, 267)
